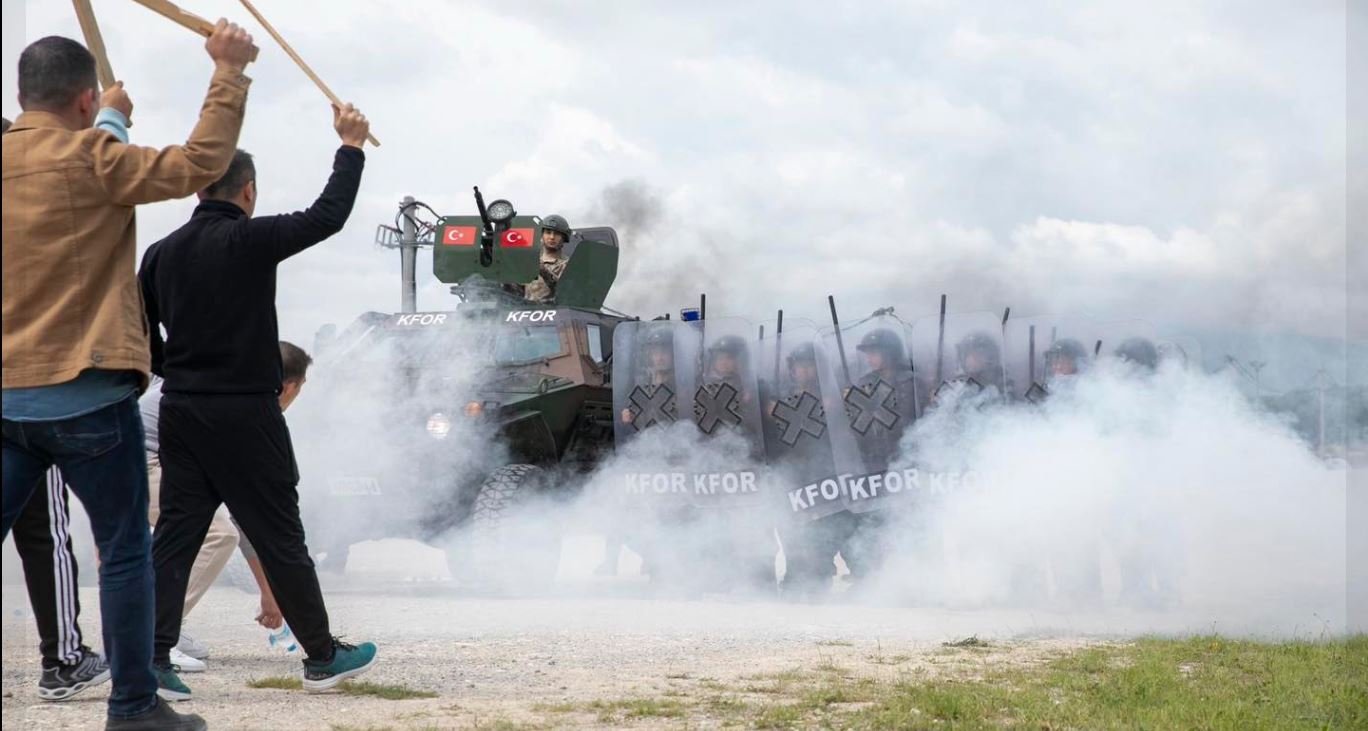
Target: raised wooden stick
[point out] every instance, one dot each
(95, 42)
(184, 18)
(300, 62)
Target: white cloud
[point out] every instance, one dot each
(1178, 161)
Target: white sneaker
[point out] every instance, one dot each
(185, 663)
(193, 647)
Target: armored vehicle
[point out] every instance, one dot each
(446, 423)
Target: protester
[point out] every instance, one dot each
(42, 534)
(75, 350)
(223, 536)
(222, 436)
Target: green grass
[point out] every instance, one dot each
(970, 641)
(835, 643)
(276, 683)
(630, 708)
(1202, 682)
(389, 692)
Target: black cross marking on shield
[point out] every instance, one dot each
(967, 383)
(651, 405)
(716, 404)
(799, 415)
(876, 403)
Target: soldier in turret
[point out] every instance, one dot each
(555, 231)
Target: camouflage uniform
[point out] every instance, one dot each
(543, 288)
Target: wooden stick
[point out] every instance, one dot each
(184, 18)
(300, 62)
(95, 42)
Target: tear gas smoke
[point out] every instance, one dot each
(1226, 516)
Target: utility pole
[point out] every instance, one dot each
(408, 257)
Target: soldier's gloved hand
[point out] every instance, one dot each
(546, 274)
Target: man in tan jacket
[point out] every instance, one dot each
(75, 341)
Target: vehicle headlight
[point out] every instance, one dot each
(474, 409)
(438, 425)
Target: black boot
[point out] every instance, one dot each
(158, 718)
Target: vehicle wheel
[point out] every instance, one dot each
(514, 544)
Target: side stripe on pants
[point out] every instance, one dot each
(64, 581)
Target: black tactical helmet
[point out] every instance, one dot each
(882, 339)
(1139, 351)
(557, 222)
(728, 344)
(1067, 348)
(980, 342)
(805, 353)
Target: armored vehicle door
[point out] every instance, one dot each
(591, 269)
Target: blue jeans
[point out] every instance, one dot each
(101, 455)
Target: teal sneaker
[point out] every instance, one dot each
(348, 661)
(169, 685)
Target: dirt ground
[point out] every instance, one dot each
(494, 663)
(512, 663)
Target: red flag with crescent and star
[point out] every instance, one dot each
(458, 236)
(516, 238)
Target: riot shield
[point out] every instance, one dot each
(1182, 350)
(726, 399)
(654, 376)
(964, 357)
(1046, 352)
(870, 388)
(1134, 343)
(795, 416)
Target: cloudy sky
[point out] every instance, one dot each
(1173, 160)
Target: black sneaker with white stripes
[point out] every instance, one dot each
(64, 681)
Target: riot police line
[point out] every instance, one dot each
(815, 417)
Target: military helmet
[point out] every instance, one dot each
(557, 222)
(805, 353)
(659, 337)
(733, 344)
(978, 342)
(1067, 348)
(1139, 351)
(882, 339)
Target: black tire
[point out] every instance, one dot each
(514, 545)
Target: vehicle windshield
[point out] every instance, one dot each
(526, 344)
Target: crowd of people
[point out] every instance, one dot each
(182, 433)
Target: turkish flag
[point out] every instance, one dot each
(458, 236)
(516, 238)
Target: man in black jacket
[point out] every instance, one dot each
(212, 284)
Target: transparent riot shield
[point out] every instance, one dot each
(727, 395)
(794, 365)
(1182, 350)
(964, 357)
(1130, 344)
(1048, 352)
(869, 382)
(654, 375)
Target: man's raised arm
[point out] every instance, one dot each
(134, 175)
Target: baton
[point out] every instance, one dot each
(184, 18)
(300, 63)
